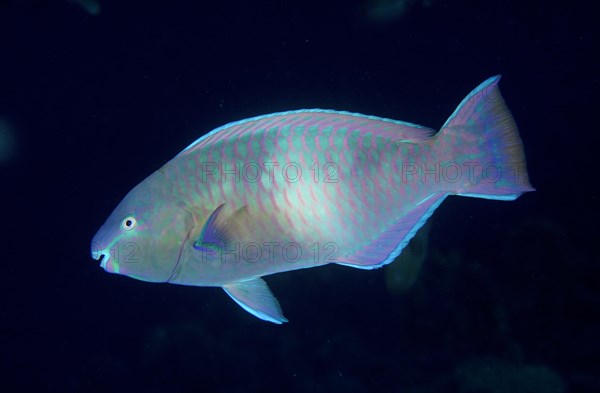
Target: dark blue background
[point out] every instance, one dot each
(507, 299)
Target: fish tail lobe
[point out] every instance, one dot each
(484, 141)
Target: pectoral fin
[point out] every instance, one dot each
(225, 227)
(255, 297)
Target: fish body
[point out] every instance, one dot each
(306, 188)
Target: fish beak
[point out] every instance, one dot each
(100, 255)
(96, 253)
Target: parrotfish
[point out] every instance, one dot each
(306, 188)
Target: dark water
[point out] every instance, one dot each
(506, 298)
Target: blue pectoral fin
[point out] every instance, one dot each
(209, 237)
(255, 297)
(225, 227)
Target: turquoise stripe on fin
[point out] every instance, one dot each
(255, 297)
(403, 131)
(386, 247)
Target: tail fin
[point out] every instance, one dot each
(484, 135)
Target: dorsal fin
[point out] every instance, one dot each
(397, 131)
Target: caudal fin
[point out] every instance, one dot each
(485, 138)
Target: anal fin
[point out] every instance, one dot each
(255, 297)
(388, 245)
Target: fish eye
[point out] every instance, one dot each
(129, 223)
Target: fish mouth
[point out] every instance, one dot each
(101, 255)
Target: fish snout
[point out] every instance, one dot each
(97, 253)
(100, 249)
(100, 254)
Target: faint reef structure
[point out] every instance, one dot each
(8, 142)
(401, 275)
(488, 374)
(388, 10)
(92, 7)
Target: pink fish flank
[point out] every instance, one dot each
(303, 189)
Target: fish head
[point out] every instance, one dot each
(144, 235)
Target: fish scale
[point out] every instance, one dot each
(306, 188)
(328, 222)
